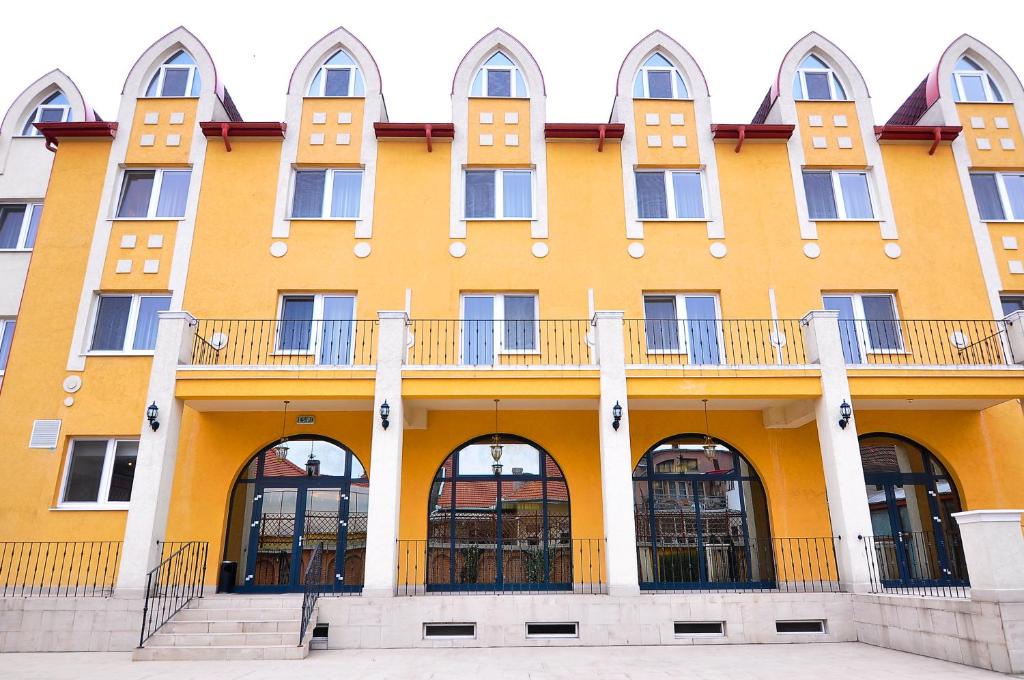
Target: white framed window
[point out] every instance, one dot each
(339, 76)
(54, 109)
(176, 77)
(684, 323)
(99, 473)
(498, 323)
(155, 193)
(1010, 303)
(838, 195)
(320, 325)
(816, 80)
(670, 195)
(868, 324)
(498, 194)
(327, 194)
(499, 77)
(971, 83)
(1000, 195)
(659, 79)
(19, 223)
(6, 338)
(127, 323)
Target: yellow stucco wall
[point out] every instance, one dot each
(499, 152)
(979, 121)
(324, 116)
(831, 128)
(160, 152)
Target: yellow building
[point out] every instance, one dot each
(657, 357)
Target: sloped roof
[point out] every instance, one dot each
(911, 110)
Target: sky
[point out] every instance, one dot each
(579, 45)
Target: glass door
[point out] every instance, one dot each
(273, 537)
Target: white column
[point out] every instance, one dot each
(158, 451)
(386, 459)
(840, 450)
(616, 458)
(1014, 325)
(994, 552)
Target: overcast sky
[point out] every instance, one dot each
(579, 45)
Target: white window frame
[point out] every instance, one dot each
(105, 477)
(322, 72)
(499, 195)
(860, 322)
(498, 313)
(130, 326)
(192, 68)
(36, 115)
(325, 209)
(837, 195)
(154, 195)
(644, 70)
(26, 221)
(513, 88)
(5, 324)
(316, 329)
(1004, 198)
(833, 78)
(681, 321)
(670, 195)
(986, 83)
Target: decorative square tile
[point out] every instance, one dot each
(839, 120)
(977, 122)
(511, 140)
(511, 118)
(1016, 267)
(1002, 123)
(124, 267)
(147, 140)
(678, 140)
(486, 140)
(344, 117)
(677, 119)
(343, 138)
(173, 140)
(984, 144)
(316, 139)
(319, 117)
(814, 121)
(152, 118)
(1010, 243)
(177, 118)
(128, 241)
(845, 143)
(652, 119)
(155, 241)
(1007, 143)
(486, 117)
(819, 142)
(151, 266)
(654, 140)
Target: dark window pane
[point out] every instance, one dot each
(499, 83)
(33, 226)
(880, 317)
(173, 193)
(702, 329)
(651, 201)
(974, 89)
(520, 324)
(337, 83)
(1012, 303)
(6, 337)
(689, 195)
(847, 326)
(85, 471)
(296, 323)
(478, 330)
(111, 323)
(817, 86)
(146, 326)
(661, 326)
(11, 218)
(123, 472)
(986, 193)
(659, 84)
(309, 193)
(175, 81)
(1014, 185)
(480, 194)
(135, 194)
(821, 203)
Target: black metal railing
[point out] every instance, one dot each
(312, 584)
(714, 342)
(172, 584)
(926, 343)
(917, 563)
(283, 342)
(724, 564)
(434, 567)
(450, 343)
(59, 568)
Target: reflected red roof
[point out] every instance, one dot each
(484, 494)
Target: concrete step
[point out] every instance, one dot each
(240, 614)
(207, 626)
(163, 639)
(223, 601)
(282, 652)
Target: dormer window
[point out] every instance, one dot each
(338, 77)
(815, 80)
(499, 77)
(971, 83)
(659, 79)
(54, 109)
(176, 77)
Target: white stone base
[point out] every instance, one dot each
(69, 624)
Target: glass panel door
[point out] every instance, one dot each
(847, 326)
(274, 537)
(320, 525)
(478, 330)
(702, 329)
(336, 336)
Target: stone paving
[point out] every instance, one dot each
(706, 662)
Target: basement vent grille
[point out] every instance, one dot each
(801, 626)
(44, 434)
(449, 631)
(695, 628)
(552, 630)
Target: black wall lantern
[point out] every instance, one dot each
(616, 415)
(152, 411)
(845, 411)
(385, 411)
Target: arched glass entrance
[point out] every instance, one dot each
(701, 518)
(911, 497)
(283, 507)
(499, 527)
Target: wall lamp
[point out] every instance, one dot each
(152, 411)
(845, 411)
(616, 415)
(385, 411)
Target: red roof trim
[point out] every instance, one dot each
(414, 130)
(227, 129)
(918, 133)
(743, 131)
(584, 130)
(53, 132)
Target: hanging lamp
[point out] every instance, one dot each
(280, 450)
(709, 446)
(496, 446)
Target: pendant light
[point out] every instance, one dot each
(709, 446)
(280, 450)
(496, 447)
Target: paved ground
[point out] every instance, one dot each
(735, 662)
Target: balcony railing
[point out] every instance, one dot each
(917, 563)
(324, 343)
(450, 343)
(703, 343)
(58, 568)
(926, 343)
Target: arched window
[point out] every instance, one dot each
(816, 80)
(501, 525)
(911, 498)
(701, 520)
(971, 83)
(292, 497)
(498, 77)
(659, 79)
(54, 109)
(339, 76)
(176, 77)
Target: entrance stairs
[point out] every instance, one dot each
(232, 627)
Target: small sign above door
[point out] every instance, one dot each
(305, 420)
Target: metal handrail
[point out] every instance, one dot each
(311, 587)
(172, 584)
(58, 568)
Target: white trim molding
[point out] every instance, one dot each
(499, 40)
(622, 112)
(373, 112)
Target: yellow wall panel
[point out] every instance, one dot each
(138, 279)
(162, 150)
(500, 153)
(332, 150)
(835, 136)
(657, 137)
(997, 126)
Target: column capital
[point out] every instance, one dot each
(180, 314)
(607, 314)
(402, 314)
(815, 314)
(977, 516)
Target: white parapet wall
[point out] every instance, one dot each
(69, 624)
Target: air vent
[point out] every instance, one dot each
(801, 626)
(699, 628)
(44, 434)
(552, 630)
(449, 631)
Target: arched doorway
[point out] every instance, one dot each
(912, 498)
(701, 518)
(286, 503)
(499, 527)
